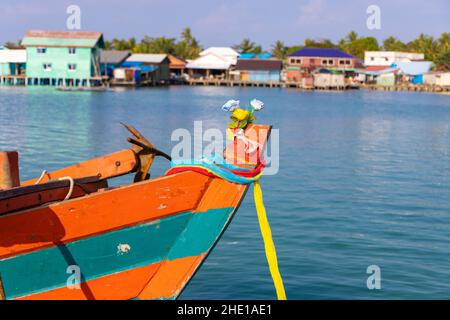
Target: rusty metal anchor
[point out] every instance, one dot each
(145, 152)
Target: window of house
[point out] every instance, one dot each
(299, 61)
(372, 58)
(347, 61)
(72, 66)
(324, 62)
(72, 50)
(330, 61)
(47, 66)
(41, 50)
(341, 61)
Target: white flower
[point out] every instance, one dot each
(257, 104)
(230, 105)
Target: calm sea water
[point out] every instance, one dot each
(364, 180)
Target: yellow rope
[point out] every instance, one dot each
(269, 246)
(264, 226)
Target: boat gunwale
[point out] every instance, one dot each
(109, 190)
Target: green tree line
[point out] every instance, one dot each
(435, 49)
(187, 47)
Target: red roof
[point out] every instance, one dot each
(63, 34)
(376, 68)
(258, 64)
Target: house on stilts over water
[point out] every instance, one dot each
(68, 58)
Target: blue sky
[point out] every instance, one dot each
(227, 22)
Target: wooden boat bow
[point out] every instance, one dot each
(140, 240)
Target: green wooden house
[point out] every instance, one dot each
(70, 58)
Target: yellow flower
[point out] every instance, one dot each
(240, 114)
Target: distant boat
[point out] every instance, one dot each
(84, 89)
(67, 235)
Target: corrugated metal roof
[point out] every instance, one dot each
(210, 61)
(224, 52)
(13, 56)
(258, 64)
(321, 52)
(147, 58)
(221, 51)
(176, 63)
(62, 38)
(113, 56)
(413, 68)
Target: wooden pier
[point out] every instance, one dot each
(408, 87)
(22, 80)
(264, 84)
(132, 83)
(240, 83)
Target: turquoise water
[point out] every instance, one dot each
(364, 179)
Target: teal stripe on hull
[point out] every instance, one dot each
(200, 233)
(186, 234)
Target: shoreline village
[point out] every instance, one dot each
(84, 61)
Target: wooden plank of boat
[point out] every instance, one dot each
(20, 198)
(104, 167)
(142, 240)
(95, 213)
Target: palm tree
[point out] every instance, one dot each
(393, 44)
(162, 45)
(120, 44)
(108, 45)
(188, 47)
(279, 50)
(346, 43)
(444, 42)
(248, 46)
(186, 35)
(351, 36)
(324, 43)
(443, 61)
(425, 44)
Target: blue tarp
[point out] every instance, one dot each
(109, 70)
(247, 55)
(417, 79)
(130, 64)
(139, 65)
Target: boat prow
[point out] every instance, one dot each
(70, 236)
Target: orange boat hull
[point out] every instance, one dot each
(144, 240)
